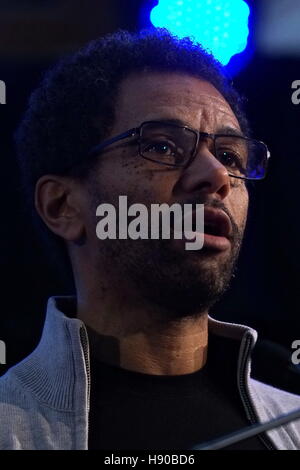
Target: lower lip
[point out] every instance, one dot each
(210, 242)
(214, 242)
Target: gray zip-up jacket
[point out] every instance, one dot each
(44, 400)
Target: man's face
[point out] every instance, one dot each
(182, 282)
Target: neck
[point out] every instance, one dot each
(137, 337)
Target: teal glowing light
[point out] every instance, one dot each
(221, 26)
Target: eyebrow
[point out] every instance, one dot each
(175, 121)
(226, 130)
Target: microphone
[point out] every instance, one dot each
(249, 431)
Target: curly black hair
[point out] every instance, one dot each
(59, 126)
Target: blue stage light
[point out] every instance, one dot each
(221, 26)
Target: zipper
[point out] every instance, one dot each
(85, 347)
(251, 415)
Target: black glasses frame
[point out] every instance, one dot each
(137, 131)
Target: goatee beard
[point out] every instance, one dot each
(182, 289)
(178, 283)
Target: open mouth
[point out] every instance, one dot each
(216, 231)
(211, 229)
(217, 223)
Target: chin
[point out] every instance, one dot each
(185, 290)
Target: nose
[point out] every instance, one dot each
(206, 175)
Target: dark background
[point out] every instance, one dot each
(265, 293)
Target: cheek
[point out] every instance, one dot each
(144, 180)
(238, 207)
(126, 173)
(118, 174)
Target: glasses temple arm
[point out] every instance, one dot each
(95, 150)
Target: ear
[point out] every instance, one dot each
(57, 201)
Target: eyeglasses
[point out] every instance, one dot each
(176, 145)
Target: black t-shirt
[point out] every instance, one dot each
(130, 410)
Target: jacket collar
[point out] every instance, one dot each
(57, 371)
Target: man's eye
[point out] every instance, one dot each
(231, 159)
(163, 151)
(160, 148)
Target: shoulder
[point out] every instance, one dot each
(270, 403)
(15, 410)
(27, 423)
(281, 401)
(15, 398)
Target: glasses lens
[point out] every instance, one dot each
(166, 143)
(242, 157)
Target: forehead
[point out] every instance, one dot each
(156, 95)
